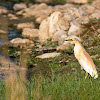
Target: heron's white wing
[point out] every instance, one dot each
(84, 56)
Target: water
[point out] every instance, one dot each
(5, 60)
(13, 34)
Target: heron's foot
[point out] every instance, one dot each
(86, 75)
(89, 76)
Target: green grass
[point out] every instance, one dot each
(60, 87)
(94, 51)
(49, 44)
(97, 62)
(73, 64)
(2, 91)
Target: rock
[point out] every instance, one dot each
(49, 26)
(41, 18)
(25, 25)
(48, 55)
(82, 20)
(70, 21)
(53, 24)
(89, 9)
(18, 42)
(32, 6)
(38, 11)
(75, 29)
(62, 8)
(19, 6)
(64, 23)
(78, 1)
(96, 15)
(42, 13)
(77, 15)
(30, 33)
(64, 46)
(12, 17)
(41, 6)
(21, 12)
(96, 3)
(3, 32)
(59, 35)
(44, 30)
(98, 30)
(3, 10)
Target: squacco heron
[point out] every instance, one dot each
(84, 59)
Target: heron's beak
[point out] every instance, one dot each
(69, 40)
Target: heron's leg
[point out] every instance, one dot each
(86, 75)
(90, 76)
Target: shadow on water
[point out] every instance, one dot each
(14, 75)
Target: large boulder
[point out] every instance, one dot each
(77, 18)
(49, 26)
(44, 30)
(19, 6)
(53, 24)
(59, 25)
(64, 23)
(59, 35)
(75, 29)
(77, 15)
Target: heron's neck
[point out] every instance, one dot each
(78, 45)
